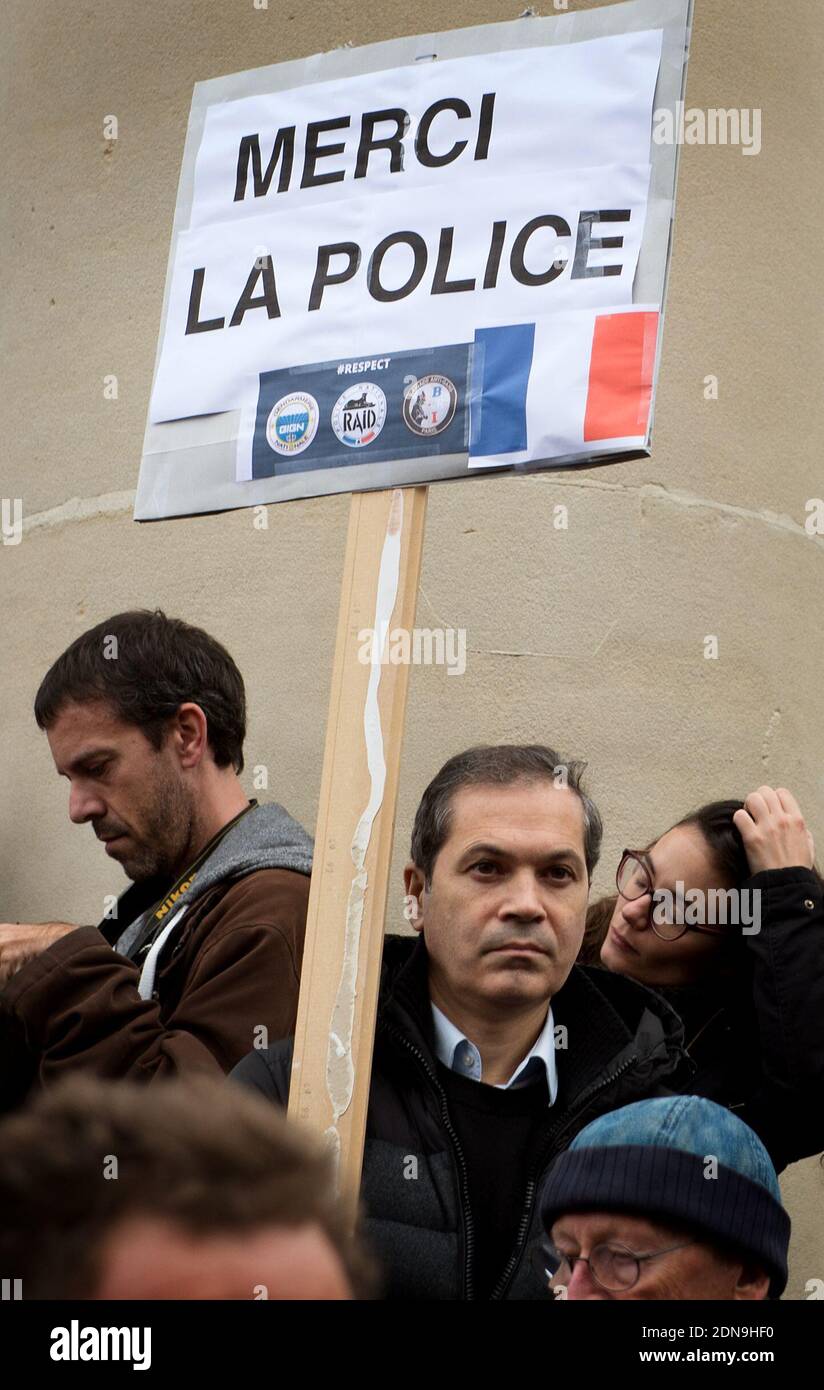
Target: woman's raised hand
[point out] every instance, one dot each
(774, 832)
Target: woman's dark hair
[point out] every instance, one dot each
(145, 665)
(715, 822)
(599, 916)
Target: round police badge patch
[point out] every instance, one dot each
(292, 423)
(429, 405)
(358, 415)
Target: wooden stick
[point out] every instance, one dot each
(356, 818)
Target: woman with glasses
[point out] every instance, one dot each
(723, 915)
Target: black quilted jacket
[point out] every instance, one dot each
(755, 1041)
(623, 1044)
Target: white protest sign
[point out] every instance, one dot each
(426, 123)
(434, 235)
(466, 255)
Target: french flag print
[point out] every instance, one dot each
(573, 385)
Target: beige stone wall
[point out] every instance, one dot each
(590, 638)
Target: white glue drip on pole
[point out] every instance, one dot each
(340, 1072)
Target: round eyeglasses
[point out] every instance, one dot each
(634, 880)
(614, 1267)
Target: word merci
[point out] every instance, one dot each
(76, 1343)
(719, 906)
(282, 157)
(339, 262)
(422, 646)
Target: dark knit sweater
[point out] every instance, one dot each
(496, 1130)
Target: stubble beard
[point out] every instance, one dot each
(167, 831)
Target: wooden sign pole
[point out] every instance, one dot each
(356, 816)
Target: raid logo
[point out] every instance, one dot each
(359, 414)
(292, 423)
(429, 405)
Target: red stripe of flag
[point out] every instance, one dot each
(620, 375)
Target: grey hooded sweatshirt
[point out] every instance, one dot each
(224, 979)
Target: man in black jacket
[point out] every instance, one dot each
(492, 1049)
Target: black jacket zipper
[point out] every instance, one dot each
(532, 1184)
(546, 1153)
(469, 1229)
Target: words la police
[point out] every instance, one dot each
(381, 137)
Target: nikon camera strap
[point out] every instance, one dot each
(174, 902)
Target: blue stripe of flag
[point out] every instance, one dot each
(501, 365)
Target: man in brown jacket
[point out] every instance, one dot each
(200, 959)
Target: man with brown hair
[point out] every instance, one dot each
(184, 1190)
(146, 716)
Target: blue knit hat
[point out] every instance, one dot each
(651, 1157)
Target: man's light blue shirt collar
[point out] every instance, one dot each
(459, 1054)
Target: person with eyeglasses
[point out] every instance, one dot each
(668, 1198)
(723, 915)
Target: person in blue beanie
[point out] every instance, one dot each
(667, 1198)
